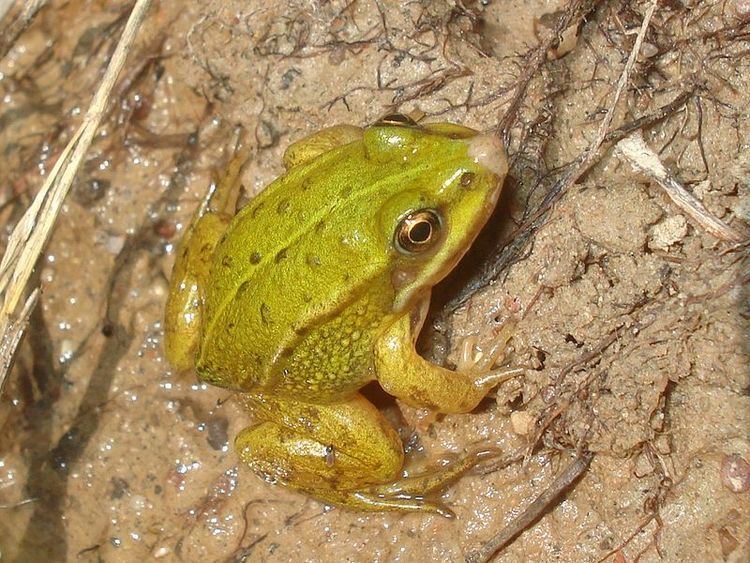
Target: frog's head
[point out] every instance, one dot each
(444, 182)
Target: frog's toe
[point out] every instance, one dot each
(402, 503)
(434, 481)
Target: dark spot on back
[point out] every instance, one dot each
(300, 330)
(265, 314)
(281, 255)
(226, 261)
(313, 260)
(244, 287)
(255, 257)
(319, 227)
(256, 210)
(283, 206)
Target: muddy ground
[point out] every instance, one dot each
(630, 317)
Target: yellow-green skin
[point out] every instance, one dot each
(304, 296)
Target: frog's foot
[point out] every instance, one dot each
(370, 501)
(343, 453)
(421, 490)
(435, 480)
(418, 493)
(472, 358)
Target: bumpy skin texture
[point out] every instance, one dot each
(306, 295)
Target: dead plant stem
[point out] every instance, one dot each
(30, 235)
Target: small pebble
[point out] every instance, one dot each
(643, 466)
(522, 422)
(741, 8)
(114, 244)
(735, 473)
(667, 232)
(165, 229)
(161, 551)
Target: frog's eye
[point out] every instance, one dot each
(398, 119)
(418, 231)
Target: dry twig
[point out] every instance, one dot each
(12, 29)
(576, 469)
(635, 150)
(32, 231)
(574, 172)
(534, 511)
(593, 151)
(572, 15)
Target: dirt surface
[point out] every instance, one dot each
(631, 319)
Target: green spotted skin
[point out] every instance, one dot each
(301, 281)
(320, 285)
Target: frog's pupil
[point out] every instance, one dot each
(421, 232)
(417, 231)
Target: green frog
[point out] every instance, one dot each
(320, 285)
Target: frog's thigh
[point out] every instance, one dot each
(338, 446)
(319, 142)
(411, 378)
(191, 270)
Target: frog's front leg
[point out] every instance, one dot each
(344, 453)
(184, 310)
(406, 375)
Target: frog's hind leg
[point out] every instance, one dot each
(344, 453)
(322, 141)
(191, 270)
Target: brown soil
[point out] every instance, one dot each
(631, 318)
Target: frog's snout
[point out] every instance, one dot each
(488, 152)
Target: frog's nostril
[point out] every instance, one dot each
(488, 152)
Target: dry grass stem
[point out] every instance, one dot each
(27, 240)
(14, 332)
(635, 150)
(575, 171)
(601, 133)
(5, 5)
(16, 26)
(534, 511)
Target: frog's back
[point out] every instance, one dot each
(288, 266)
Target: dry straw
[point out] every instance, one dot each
(635, 150)
(30, 235)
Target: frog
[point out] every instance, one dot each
(319, 286)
